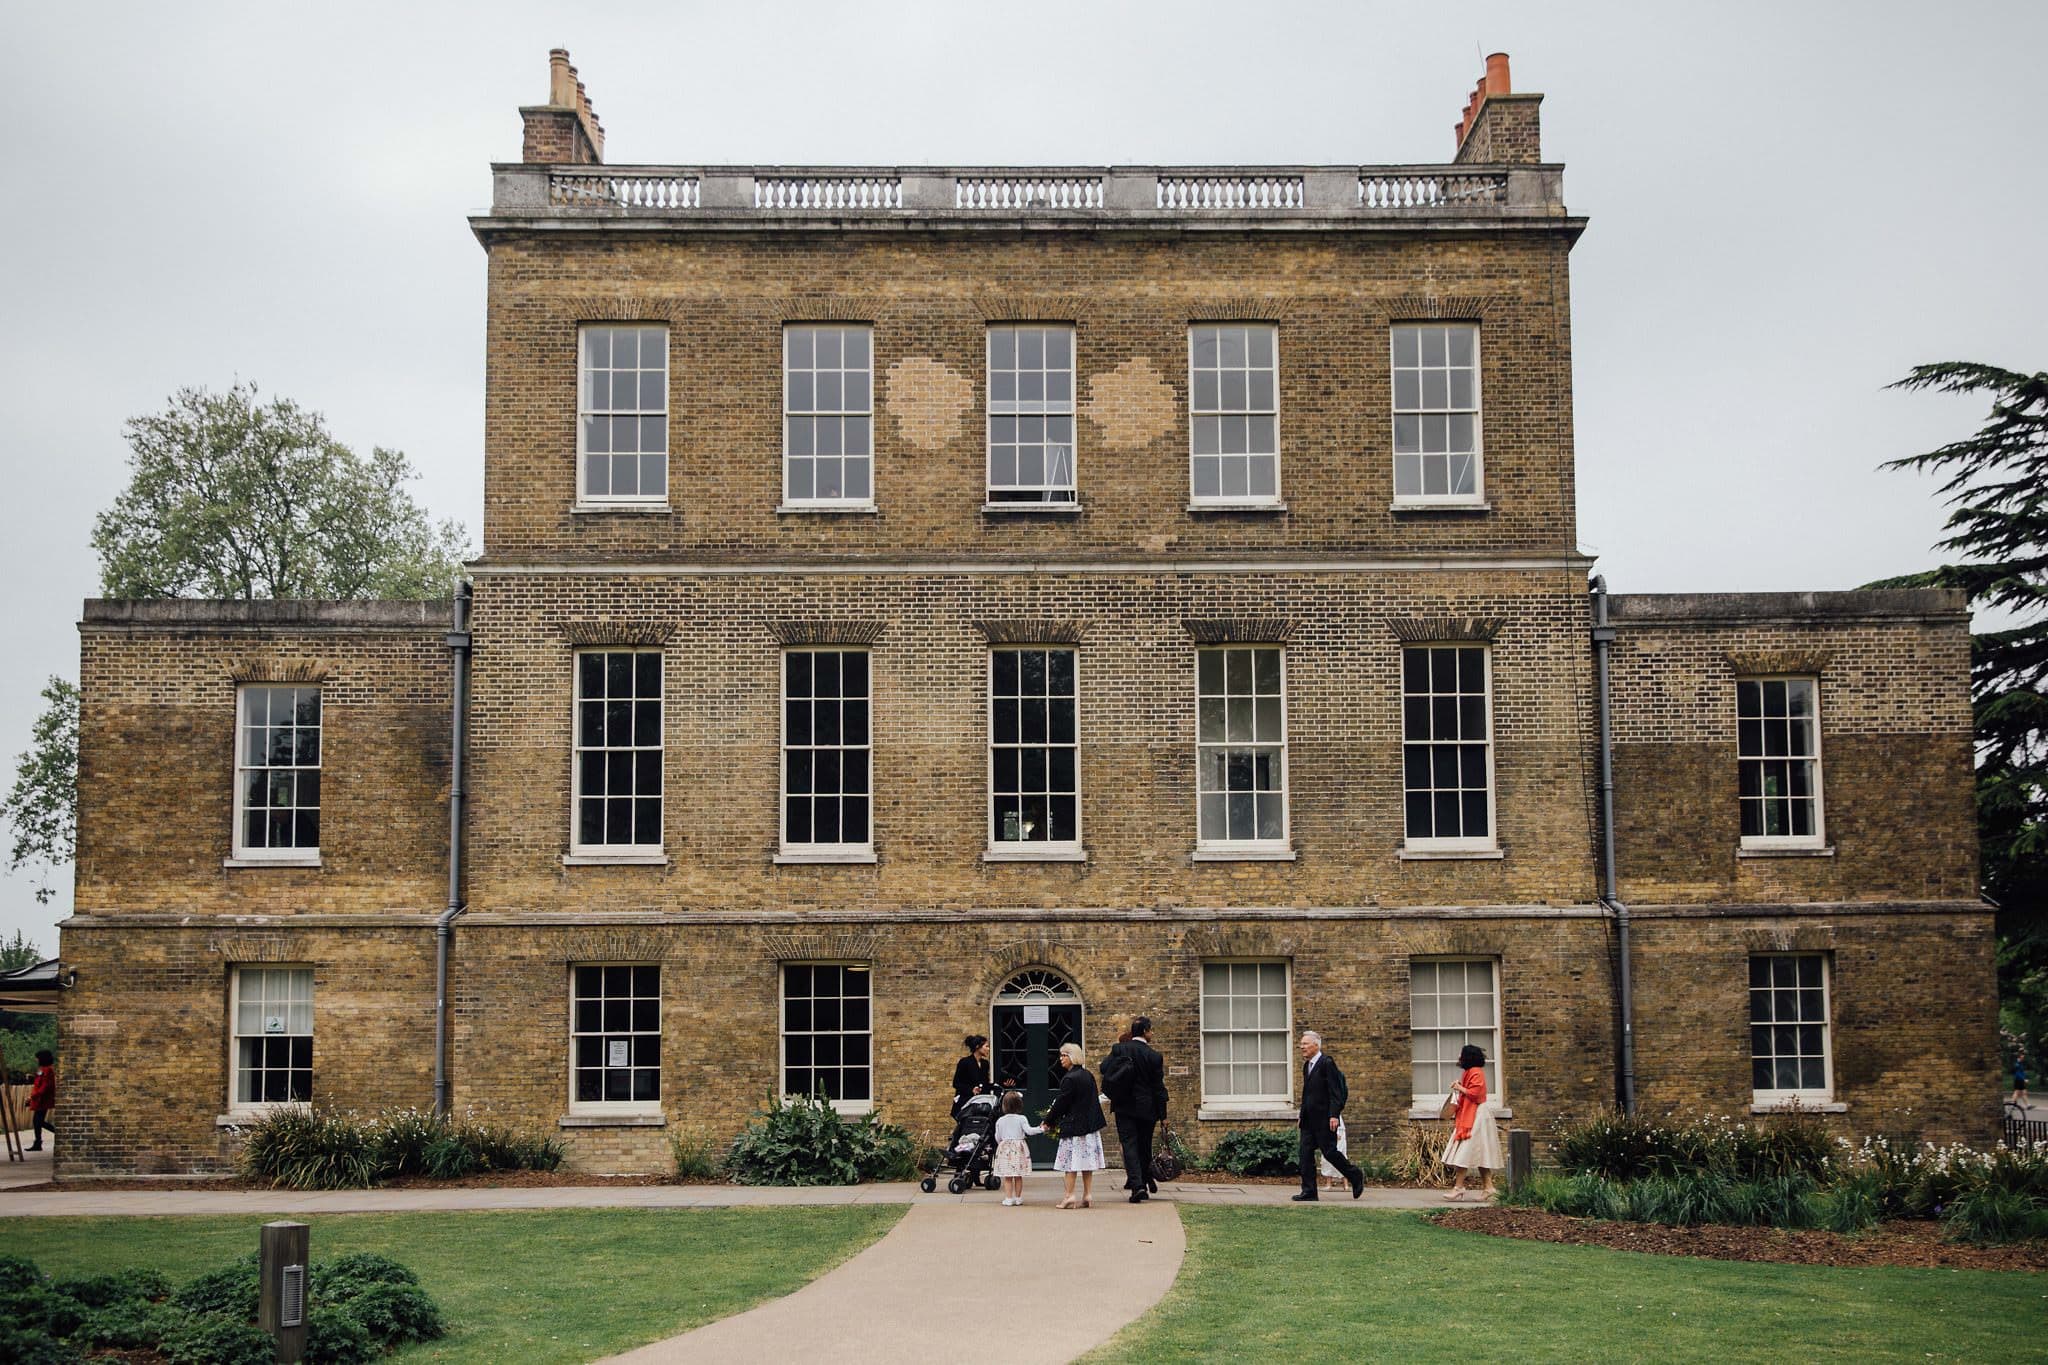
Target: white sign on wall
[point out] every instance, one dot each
(620, 1052)
(1038, 1014)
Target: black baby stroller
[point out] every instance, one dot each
(970, 1151)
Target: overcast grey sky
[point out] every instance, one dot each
(1791, 204)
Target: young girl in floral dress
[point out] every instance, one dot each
(1013, 1155)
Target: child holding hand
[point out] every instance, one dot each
(1013, 1156)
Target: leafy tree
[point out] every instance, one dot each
(42, 806)
(1996, 485)
(234, 498)
(16, 955)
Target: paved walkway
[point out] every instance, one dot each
(982, 1283)
(168, 1198)
(34, 1171)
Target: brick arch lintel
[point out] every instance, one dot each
(1420, 630)
(615, 945)
(1754, 662)
(1440, 307)
(1240, 308)
(273, 668)
(262, 947)
(627, 308)
(814, 945)
(1789, 937)
(618, 632)
(1239, 630)
(800, 308)
(828, 632)
(1038, 950)
(1061, 308)
(1030, 632)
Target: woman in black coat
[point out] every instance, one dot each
(973, 1075)
(1077, 1112)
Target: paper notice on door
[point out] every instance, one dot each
(1038, 1014)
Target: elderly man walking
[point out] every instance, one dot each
(1322, 1100)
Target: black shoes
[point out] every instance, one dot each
(1357, 1183)
(1151, 1186)
(1138, 1196)
(1304, 1198)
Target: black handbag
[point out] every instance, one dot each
(1165, 1165)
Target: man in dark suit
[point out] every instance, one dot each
(1138, 1091)
(1323, 1093)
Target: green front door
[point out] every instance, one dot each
(1027, 1049)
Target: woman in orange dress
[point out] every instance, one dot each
(1475, 1141)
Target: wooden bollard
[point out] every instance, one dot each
(281, 1308)
(1521, 1157)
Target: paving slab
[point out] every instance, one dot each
(961, 1281)
(167, 1198)
(34, 1168)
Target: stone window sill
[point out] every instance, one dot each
(1266, 1113)
(1788, 851)
(1039, 509)
(828, 508)
(1813, 1106)
(312, 860)
(1399, 506)
(587, 509)
(612, 1121)
(1248, 505)
(824, 858)
(1431, 1111)
(652, 858)
(1052, 853)
(1447, 855)
(243, 1118)
(1245, 855)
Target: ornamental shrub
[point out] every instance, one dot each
(336, 1336)
(218, 1341)
(1259, 1151)
(18, 1272)
(129, 1325)
(394, 1314)
(230, 1292)
(804, 1142)
(299, 1149)
(98, 1291)
(24, 1345)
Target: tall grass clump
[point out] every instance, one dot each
(806, 1142)
(310, 1150)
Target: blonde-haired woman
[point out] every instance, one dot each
(1077, 1113)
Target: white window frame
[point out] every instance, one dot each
(844, 1108)
(863, 851)
(1477, 497)
(257, 1108)
(1462, 844)
(241, 851)
(618, 1108)
(1226, 848)
(584, 409)
(577, 749)
(1014, 409)
(1779, 1098)
(1026, 849)
(1195, 414)
(843, 502)
(1261, 1102)
(1496, 1090)
(1819, 837)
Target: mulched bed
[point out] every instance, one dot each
(1904, 1243)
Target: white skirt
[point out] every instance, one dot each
(1082, 1153)
(1481, 1151)
(1331, 1172)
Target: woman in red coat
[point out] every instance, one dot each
(42, 1096)
(1475, 1141)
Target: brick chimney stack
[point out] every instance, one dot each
(1498, 126)
(565, 130)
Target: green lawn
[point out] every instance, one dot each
(1288, 1284)
(564, 1286)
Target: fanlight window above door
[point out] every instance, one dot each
(1038, 984)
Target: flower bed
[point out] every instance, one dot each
(308, 1150)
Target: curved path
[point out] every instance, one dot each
(961, 1281)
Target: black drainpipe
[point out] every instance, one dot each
(444, 927)
(1610, 896)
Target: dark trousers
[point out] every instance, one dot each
(42, 1121)
(1135, 1137)
(1323, 1139)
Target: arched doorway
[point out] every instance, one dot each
(1034, 1013)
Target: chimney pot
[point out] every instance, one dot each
(1497, 74)
(562, 83)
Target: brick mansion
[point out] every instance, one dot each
(927, 601)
